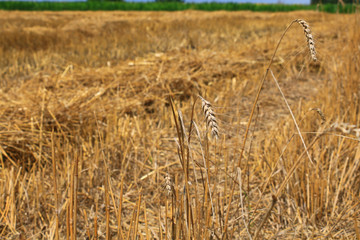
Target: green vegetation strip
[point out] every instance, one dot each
(166, 6)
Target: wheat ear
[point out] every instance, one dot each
(210, 117)
(309, 38)
(168, 184)
(321, 114)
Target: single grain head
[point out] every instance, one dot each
(210, 117)
(309, 38)
(168, 185)
(321, 114)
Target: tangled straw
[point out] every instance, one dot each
(309, 38)
(346, 128)
(210, 117)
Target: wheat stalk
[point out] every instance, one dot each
(210, 117)
(311, 43)
(309, 38)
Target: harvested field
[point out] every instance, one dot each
(93, 147)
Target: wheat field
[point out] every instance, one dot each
(103, 134)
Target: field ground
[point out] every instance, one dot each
(89, 93)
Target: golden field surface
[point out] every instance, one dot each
(93, 147)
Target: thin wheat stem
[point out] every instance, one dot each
(273, 202)
(292, 115)
(242, 204)
(206, 169)
(250, 119)
(57, 210)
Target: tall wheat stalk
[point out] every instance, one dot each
(55, 187)
(313, 53)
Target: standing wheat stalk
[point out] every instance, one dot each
(311, 44)
(57, 210)
(210, 117)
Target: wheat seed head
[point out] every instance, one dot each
(321, 114)
(168, 184)
(210, 117)
(309, 38)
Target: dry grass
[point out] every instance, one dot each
(102, 108)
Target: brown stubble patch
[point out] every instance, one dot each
(121, 112)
